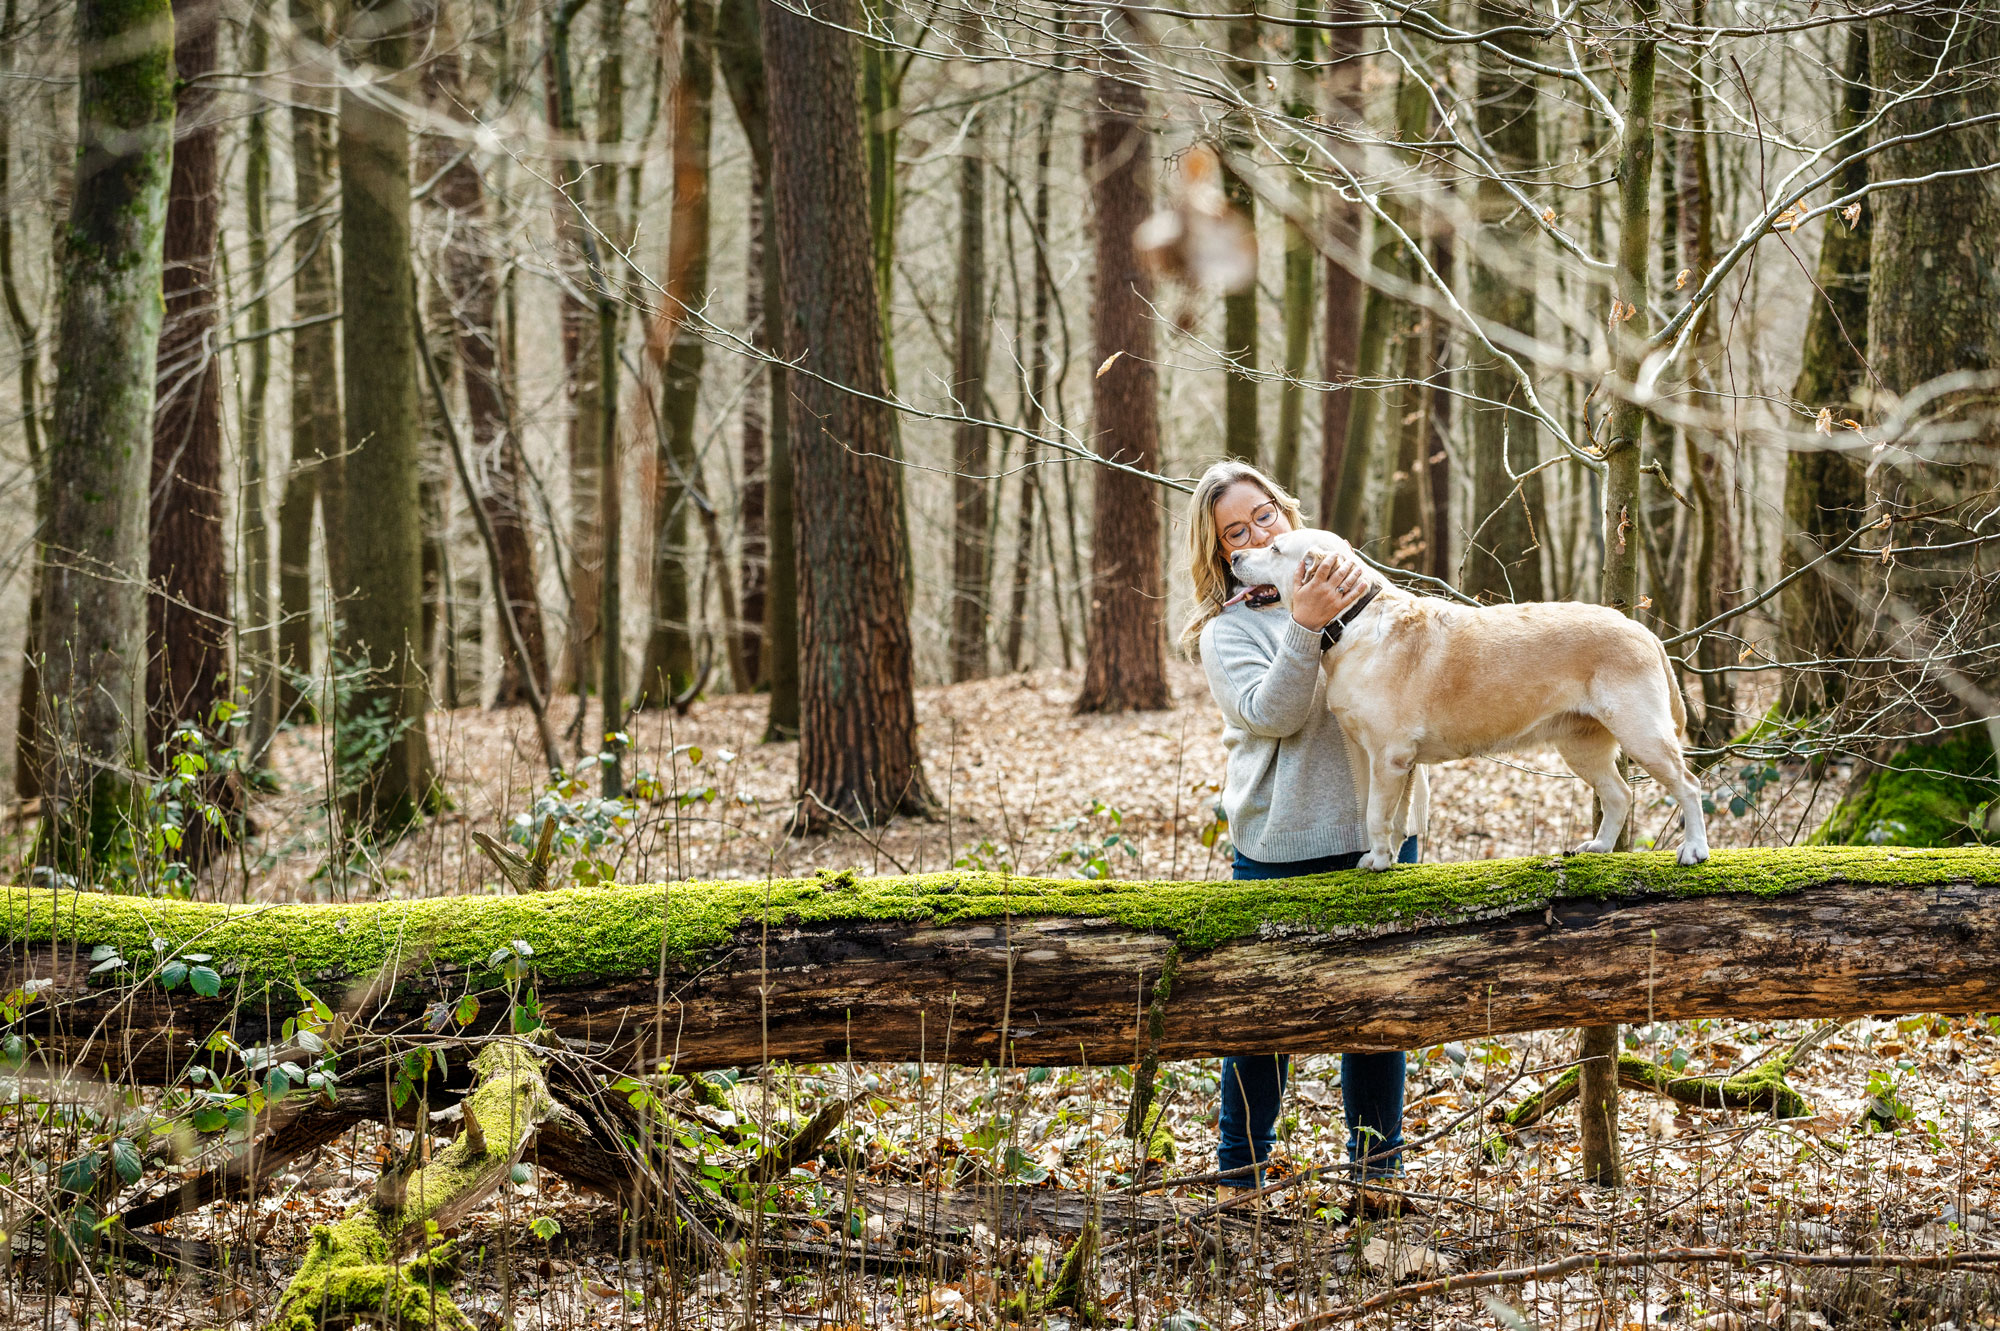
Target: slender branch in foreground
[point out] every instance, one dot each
(1743, 1259)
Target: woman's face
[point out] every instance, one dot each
(1247, 517)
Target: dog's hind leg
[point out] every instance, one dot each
(1388, 790)
(1592, 754)
(1660, 754)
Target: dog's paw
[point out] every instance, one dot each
(1377, 860)
(1592, 847)
(1693, 854)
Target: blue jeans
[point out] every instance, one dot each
(1253, 1085)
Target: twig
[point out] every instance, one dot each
(1625, 1261)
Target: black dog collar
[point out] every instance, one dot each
(1330, 635)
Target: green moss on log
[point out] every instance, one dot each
(580, 933)
(1762, 1088)
(349, 1273)
(1925, 795)
(347, 1279)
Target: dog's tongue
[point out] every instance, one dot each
(1262, 594)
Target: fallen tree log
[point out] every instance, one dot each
(945, 966)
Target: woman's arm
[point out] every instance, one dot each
(1267, 695)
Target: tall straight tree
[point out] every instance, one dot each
(389, 779)
(676, 344)
(1300, 104)
(100, 447)
(858, 740)
(472, 291)
(1618, 587)
(739, 49)
(258, 640)
(1380, 314)
(583, 387)
(1503, 560)
(1716, 569)
(30, 744)
(1239, 308)
(1340, 333)
(313, 477)
(188, 616)
(970, 554)
(753, 558)
(1933, 311)
(1036, 386)
(1125, 663)
(1825, 490)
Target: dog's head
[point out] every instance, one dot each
(1273, 570)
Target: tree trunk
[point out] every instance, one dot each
(1618, 587)
(473, 289)
(858, 756)
(315, 474)
(1340, 346)
(1933, 309)
(848, 967)
(1240, 434)
(1503, 559)
(1403, 498)
(582, 652)
(1380, 314)
(1301, 105)
(739, 52)
(188, 617)
(677, 346)
(384, 751)
(884, 65)
(257, 647)
(30, 717)
(971, 555)
(1125, 666)
(1825, 490)
(1717, 565)
(753, 565)
(100, 447)
(1037, 386)
(1434, 467)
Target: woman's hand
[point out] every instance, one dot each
(1323, 594)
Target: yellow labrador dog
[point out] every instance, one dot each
(1417, 679)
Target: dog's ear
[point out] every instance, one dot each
(1307, 563)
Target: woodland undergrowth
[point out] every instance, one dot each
(957, 1197)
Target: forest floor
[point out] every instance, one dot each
(1019, 781)
(897, 1223)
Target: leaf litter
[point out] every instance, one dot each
(1901, 1157)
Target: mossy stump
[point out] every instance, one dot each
(350, 1272)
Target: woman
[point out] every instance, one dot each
(1289, 793)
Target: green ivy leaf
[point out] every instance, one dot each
(125, 1159)
(172, 974)
(468, 1010)
(205, 981)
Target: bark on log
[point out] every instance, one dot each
(899, 968)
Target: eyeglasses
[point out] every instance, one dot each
(1236, 533)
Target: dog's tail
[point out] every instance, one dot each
(1678, 703)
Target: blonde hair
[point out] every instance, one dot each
(1208, 569)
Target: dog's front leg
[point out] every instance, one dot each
(1388, 786)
